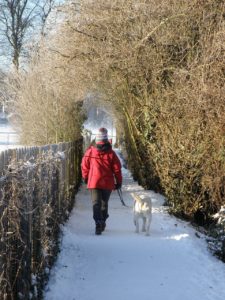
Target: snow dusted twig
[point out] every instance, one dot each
(220, 216)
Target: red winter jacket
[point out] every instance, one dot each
(101, 168)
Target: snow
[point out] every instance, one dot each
(173, 263)
(8, 137)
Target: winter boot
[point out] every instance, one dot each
(98, 228)
(103, 226)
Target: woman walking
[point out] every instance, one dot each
(101, 171)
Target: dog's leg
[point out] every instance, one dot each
(134, 215)
(136, 222)
(148, 223)
(135, 218)
(144, 224)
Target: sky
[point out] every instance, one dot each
(173, 263)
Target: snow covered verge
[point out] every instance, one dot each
(173, 263)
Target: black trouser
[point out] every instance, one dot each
(100, 200)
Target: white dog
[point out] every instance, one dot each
(142, 210)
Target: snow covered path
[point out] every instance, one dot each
(171, 264)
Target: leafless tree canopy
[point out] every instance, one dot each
(18, 20)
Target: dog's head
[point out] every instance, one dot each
(142, 202)
(141, 197)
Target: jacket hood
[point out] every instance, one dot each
(103, 146)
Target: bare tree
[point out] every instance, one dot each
(1, 92)
(18, 19)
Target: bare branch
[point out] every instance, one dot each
(19, 18)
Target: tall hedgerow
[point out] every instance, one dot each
(160, 65)
(46, 109)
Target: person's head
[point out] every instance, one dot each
(102, 136)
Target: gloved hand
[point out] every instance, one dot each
(118, 186)
(85, 180)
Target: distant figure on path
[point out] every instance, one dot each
(101, 171)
